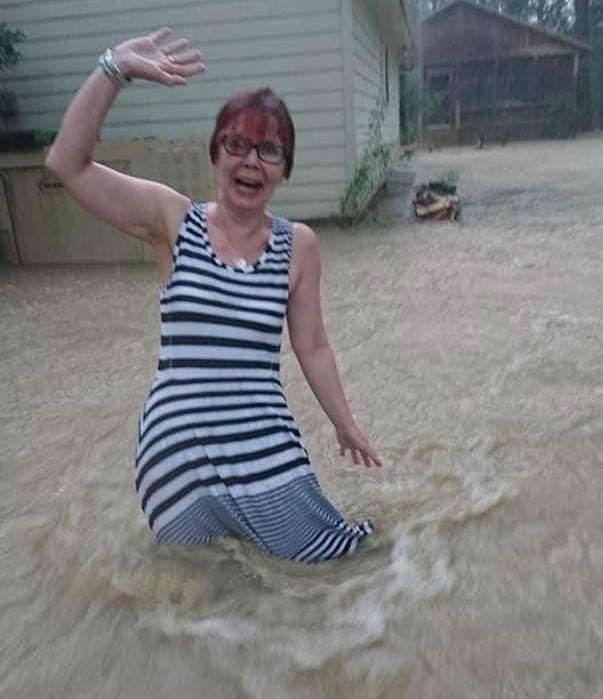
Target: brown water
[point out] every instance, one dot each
(471, 353)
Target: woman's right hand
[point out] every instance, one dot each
(145, 58)
(149, 211)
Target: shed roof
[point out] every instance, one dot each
(536, 28)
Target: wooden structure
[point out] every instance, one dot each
(491, 76)
(40, 223)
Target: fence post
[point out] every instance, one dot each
(9, 250)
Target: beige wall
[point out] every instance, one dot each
(40, 223)
(370, 40)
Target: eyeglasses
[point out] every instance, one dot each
(238, 145)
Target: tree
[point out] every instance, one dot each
(596, 63)
(583, 90)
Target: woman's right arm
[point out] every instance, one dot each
(145, 209)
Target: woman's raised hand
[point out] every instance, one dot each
(157, 60)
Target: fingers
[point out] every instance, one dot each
(353, 453)
(370, 458)
(171, 80)
(176, 67)
(192, 69)
(182, 63)
(368, 455)
(185, 71)
(160, 34)
(175, 46)
(374, 457)
(186, 57)
(362, 455)
(185, 65)
(360, 450)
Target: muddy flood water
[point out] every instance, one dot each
(471, 353)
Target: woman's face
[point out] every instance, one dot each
(248, 181)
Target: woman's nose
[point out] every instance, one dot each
(252, 158)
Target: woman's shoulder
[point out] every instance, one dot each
(305, 247)
(299, 235)
(303, 235)
(175, 208)
(201, 205)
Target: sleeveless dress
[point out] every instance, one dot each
(218, 451)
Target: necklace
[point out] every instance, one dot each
(239, 261)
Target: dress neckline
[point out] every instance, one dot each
(219, 261)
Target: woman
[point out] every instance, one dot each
(218, 451)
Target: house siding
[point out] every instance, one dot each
(294, 47)
(369, 75)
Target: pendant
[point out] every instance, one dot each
(240, 263)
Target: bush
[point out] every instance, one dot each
(9, 38)
(9, 57)
(370, 173)
(562, 116)
(9, 108)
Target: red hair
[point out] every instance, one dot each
(266, 104)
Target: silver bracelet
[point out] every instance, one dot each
(112, 70)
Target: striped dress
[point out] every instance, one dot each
(218, 451)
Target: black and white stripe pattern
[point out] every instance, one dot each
(218, 451)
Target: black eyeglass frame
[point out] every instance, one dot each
(280, 150)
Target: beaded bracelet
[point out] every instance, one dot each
(112, 70)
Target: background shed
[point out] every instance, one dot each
(493, 76)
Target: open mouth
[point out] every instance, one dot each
(248, 185)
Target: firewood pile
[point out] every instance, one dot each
(436, 201)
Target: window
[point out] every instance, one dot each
(513, 80)
(478, 84)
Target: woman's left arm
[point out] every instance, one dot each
(313, 350)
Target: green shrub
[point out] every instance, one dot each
(370, 173)
(562, 116)
(9, 57)
(415, 99)
(9, 38)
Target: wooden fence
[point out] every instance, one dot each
(40, 223)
